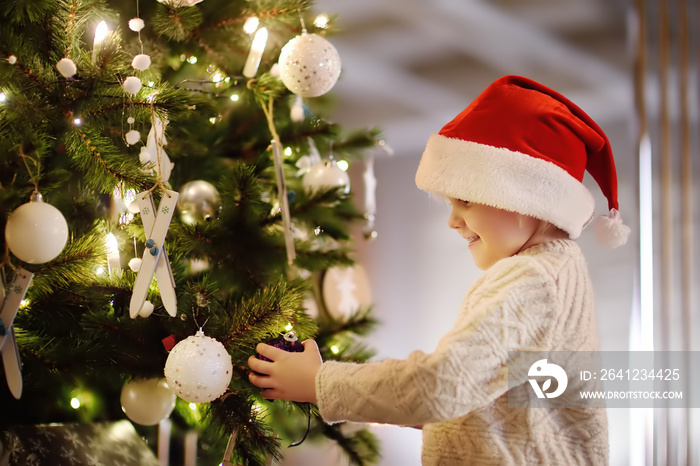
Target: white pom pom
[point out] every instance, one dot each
(66, 67)
(146, 309)
(11, 59)
(135, 262)
(141, 62)
(130, 120)
(136, 24)
(132, 137)
(132, 85)
(145, 156)
(610, 231)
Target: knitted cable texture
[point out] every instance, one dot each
(538, 300)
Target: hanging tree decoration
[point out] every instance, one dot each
(199, 369)
(155, 258)
(8, 343)
(309, 64)
(36, 232)
(156, 224)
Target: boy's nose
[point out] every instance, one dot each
(455, 221)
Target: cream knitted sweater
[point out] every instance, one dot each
(540, 299)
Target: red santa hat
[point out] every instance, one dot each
(523, 147)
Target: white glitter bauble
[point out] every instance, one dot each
(132, 137)
(136, 24)
(132, 85)
(147, 401)
(141, 62)
(309, 65)
(66, 67)
(199, 369)
(36, 232)
(326, 175)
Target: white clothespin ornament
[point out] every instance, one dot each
(8, 343)
(155, 258)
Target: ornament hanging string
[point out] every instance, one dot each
(267, 108)
(33, 177)
(159, 153)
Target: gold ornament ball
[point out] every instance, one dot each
(147, 401)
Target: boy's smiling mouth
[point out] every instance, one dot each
(471, 239)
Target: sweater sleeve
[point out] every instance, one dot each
(513, 307)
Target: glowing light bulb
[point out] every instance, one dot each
(321, 21)
(193, 406)
(101, 32)
(335, 350)
(287, 151)
(289, 327)
(192, 60)
(100, 270)
(256, 51)
(75, 403)
(343, 165)
(77, 121)
(251, 25)
(3, 97)
(234, 97)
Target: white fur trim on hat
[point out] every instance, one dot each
(505, 179)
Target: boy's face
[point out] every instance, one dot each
(492, 233)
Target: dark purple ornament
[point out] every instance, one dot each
(287, 342)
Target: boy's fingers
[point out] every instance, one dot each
(310, 345)
(270, 394)
(258, 365)
(269, 352)
(261, 381)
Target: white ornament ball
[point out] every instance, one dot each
(132, 137)
(346, 290)
(309, 65)
(325, 176)
(141, 62)
(199, 369)
(136, 24)
(66, 67)
(135, 263)
(146, 309)
(12, 59)
(36, 232)
(147, 401)
(132, 85)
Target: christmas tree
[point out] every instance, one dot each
(166, 206)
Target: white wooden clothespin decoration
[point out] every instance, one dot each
(155, 258)
(8, 343)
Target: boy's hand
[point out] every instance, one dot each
(287, 376)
